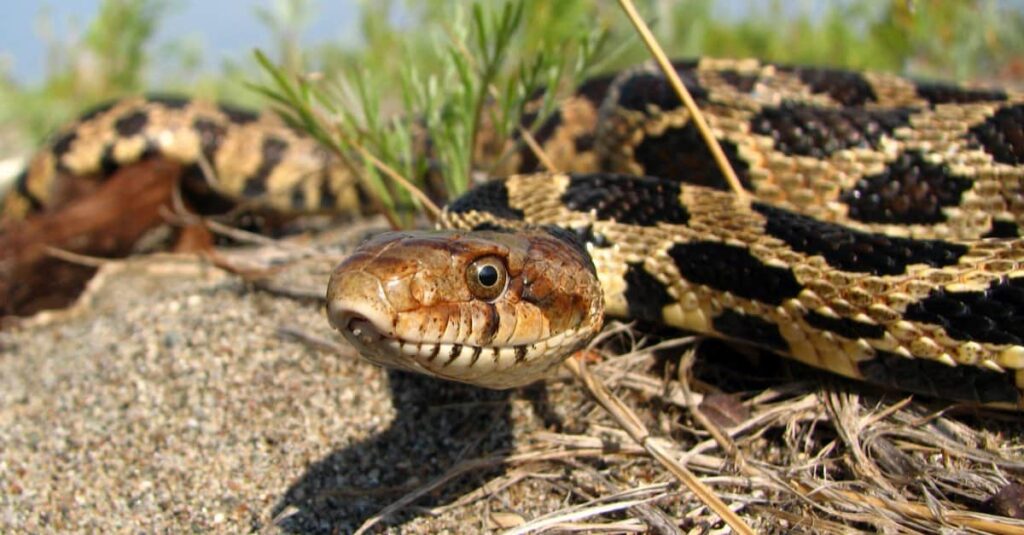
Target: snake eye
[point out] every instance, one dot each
(486, 277)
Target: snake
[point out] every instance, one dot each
(879, 240)
(233, 155)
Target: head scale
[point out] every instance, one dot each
(492, 308)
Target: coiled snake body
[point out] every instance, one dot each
(882, 243)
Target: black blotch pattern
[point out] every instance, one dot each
(174, 102)
(1002, 135)
(851, 250)
(750, 329)
(687, 64)
(844, 327)
(131, 123)
(211, 134)
(643, 201)
(21, 186)
(530, 163)
(298, 198)
(909, 190)
(645, 296)
(327, 197)
(682, 155)
(271, 154)
(923, 376)
(238, 115)
(804, 130)
(95, 111)
(994, 315)
(645, 89)
(108, 163)
(587, 235)
(521, 353)
(594, 90)
(490, 197)
(491, 227)
(61, 146)
(253, 188)
(733, 269)
(573, 239)
(583, 142)
(199, 196)
(1003, 229)
(942, 93)
(848, 88)
(742, 82)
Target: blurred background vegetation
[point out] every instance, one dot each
(116, 54)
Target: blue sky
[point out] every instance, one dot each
(226, 29)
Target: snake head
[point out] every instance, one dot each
(492, 308)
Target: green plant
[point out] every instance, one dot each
(485, 74)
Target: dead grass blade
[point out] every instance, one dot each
(632, 424)
(684, 95)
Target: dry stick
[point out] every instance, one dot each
(76, 258)
(528, 137)
(629, 422)
(428, 205)
(720, 436)
(470, 466)
(960, 519)
(537, 150)
(632, 425)
(431, 208)
(691, 106)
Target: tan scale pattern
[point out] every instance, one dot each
(803, 184)
(170, 132)
(717, 216)
(811, 185)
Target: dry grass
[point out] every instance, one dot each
(814, 454)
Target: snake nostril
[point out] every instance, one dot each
(362, 329)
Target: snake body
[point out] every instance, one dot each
(235, 155)
(882, 243)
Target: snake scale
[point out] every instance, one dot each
(882, 242)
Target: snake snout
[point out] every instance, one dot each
(357, 308)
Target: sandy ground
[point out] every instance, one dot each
(177, 397)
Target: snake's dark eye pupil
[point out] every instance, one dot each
(488, 276)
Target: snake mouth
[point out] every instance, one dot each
(374, 343)
(368, 332)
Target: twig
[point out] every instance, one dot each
(978, 521)
(470, 466)
(684, 95)
(428, 205)
(76, 258)
(537, 150)
(632, 425)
